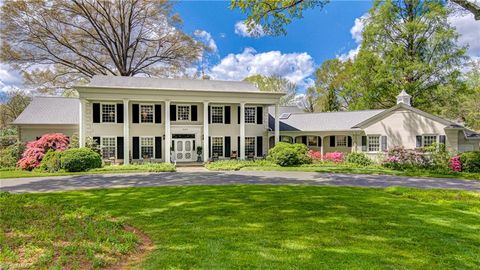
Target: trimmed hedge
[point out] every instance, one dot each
(359, 158)
(80, 159)
(286, 154)
(470, 161)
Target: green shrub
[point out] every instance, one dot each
(235, 165)
(51, 162)
(359, 158)
(80, 160)
(470, 161)
(286, 154)
(146, 167)
(11, 154)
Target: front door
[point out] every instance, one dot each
(183, 150)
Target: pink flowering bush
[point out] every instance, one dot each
(455, 164)
(399, 158)
(337, 157)
(314, 155)
(35, 151)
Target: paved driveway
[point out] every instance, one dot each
(60, 183)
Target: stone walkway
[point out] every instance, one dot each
(194, 176)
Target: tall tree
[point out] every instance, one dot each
(11, 106)
(56, 39)
(275, 84)
(308, 101)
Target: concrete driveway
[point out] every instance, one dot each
(62, 183)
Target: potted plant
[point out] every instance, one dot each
(199, 153)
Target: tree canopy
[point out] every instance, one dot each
(275, 84)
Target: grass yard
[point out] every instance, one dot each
(149, 167)
(269, 227)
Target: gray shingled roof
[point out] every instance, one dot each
(327, 121)
(172, 84)
(50, 110)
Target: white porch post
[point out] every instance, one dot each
(277, 123)
(321, 147)
(126, 132)
(206, 150)
(81, 123)
(242, 131)
(168, 135)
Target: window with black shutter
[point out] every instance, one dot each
(158, 113)
(259, 146)
(332, 141)
(173, 112)
(364, 143)
(119, 113)
(349, 141)
(384, 143)
(135, 113)
(259, 115)
(194, 109)
(227, 114)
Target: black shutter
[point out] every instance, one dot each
(304, 140)
(136, 148)
(332, 141)
(238, 115)
(96, 112)
(384, 143)
(349, 141)
(158, 147)
(158, 113)
(173, 112)
(227, 114)
(319, 141)
(209, 146)
(194, 113)
(259, 115)
(95, 139)
(120, 147)
(419, 141)
(227, 146)
(209, 114)
(135, 113)
(442, 139)
(364, 143)
(119, 113)
(259, 146)
(238, 145)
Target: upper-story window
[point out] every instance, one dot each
(250, 115)
(183, 112)
(217, 114)
(146, 113)
(108, 113)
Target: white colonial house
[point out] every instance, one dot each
(151, 119)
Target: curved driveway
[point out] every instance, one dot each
(61, 183)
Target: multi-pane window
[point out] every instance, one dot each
(217, 114)
(341, 140)
(428, 140)
(312, 140)
(250, 113)
(146, 113)
(108, 113)
(249, 146)
(217, 146)
(146, 147)
(373, 143)
(183, 112)
(108, 146)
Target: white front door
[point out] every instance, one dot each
(183, 150)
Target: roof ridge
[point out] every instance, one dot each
(338, 112)
(178, 79)
(55, 97)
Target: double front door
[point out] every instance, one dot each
(183, 149)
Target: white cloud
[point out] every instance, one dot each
(9, 78)
(206, 38)
(356, 31)
(469, 30)
(242, 30)
(295, 67)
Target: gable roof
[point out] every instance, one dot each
(100, 81)
(50, 110)
(324, 121)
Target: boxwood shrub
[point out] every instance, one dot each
(359, 159)
(80, 159)
(470, 161)
(286, 154)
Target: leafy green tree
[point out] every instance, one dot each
(275, 84)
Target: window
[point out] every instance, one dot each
(108, 113)
(183, 112)
(250, 113)
(312, 140)
(428, 140)
(217, 114)
(286, 139)
(108, 146)
(249, 146)
(373, 143)
(146, 113)
(217, 146)
(341, 141)
(146, 147)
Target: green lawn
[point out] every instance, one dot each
(289, 227)
(149, 167)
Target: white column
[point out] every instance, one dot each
(277, 123)
(81, 123)
(321, 147)
(206, 150)
(126, 132)
(242, 131)
(168, 135)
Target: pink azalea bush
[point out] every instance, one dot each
(455, 164)
(35, 151)
(314, 155)
(337, 157)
